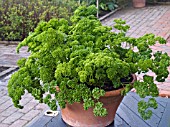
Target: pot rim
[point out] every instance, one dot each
(118, 92)
(113, 92)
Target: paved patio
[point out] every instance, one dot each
(153, 19)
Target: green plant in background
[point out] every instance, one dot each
(87, 2)
(18, 17)
(80, 56)
(107, 5)
(151, 1)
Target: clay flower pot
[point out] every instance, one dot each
(76, 116)
(139, 3)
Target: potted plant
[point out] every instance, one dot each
(139, 3)
(80, 63)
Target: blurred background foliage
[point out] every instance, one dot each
(19, 17)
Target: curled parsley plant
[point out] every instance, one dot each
(79, 57)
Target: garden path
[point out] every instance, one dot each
(9, 115)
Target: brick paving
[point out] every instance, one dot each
(13, 117)
(9, 115)
(155, 19)
(8, 55)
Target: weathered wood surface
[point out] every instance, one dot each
(127, 115)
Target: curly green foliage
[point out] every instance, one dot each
(104, 5)
(143, 108)
(79, 57)
(18, 17)
(99, 110)
(21, 81)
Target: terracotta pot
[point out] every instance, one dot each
(75, 115)
(139, 3)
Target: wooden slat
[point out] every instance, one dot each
(3, 73)
(41, 122)
(165, 121)
(160, 100)
(132, 104)
(163, 99)
(56, 122)
(158, 112)
(132, 119)
(119, 122)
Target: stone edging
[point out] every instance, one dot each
(163, 3)
(8, 71)
(10, 42)
(109, 14)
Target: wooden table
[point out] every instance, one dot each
(126, 116)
